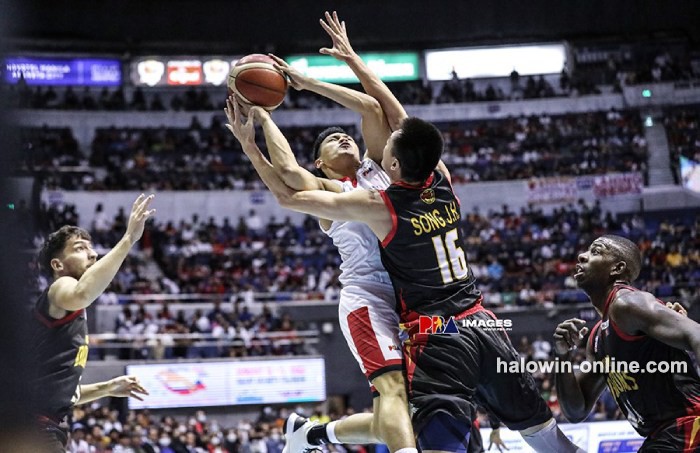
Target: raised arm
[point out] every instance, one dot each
(245, 134)
(70, 294)
(286, 173)
(373, 85)
(375, 129)
(638, 312)
(283, 160)
(577, 391)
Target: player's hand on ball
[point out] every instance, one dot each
(297, 80)
(342, 50)
(244, 132)
(126, 386)
(568, 334)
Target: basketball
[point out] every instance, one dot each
(257, 82)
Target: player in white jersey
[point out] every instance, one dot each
(367, 303)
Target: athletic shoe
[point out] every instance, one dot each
(296, 429)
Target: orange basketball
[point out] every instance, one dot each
(257, 82)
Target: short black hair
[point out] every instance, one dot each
(56, 242)
(628, 252)
(316, 150)
(322, 136)
(418, 149)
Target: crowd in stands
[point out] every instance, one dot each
(209, 158)
(683, 132)
(219, 332)
(100, 429)
(521, 258)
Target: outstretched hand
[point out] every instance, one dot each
(243, 131)
(342, 50)
(127, 386)
(139, 214)
(296, 79)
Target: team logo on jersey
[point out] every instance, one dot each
(427, 196)
(437, 325)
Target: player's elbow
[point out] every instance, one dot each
(372, 108)
(285, 199)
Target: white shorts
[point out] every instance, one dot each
(370, 324)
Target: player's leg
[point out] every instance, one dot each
(514, 398)
(442, 375)
(370, 326)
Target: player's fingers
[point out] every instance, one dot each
(139, 199)
(134, 395)
(327, 28)
(565, 335)
(343, 29)
(583, 332)
(144, 204)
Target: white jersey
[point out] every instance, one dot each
(357, 244)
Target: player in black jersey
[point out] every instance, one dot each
(417, 221)
(60, 326)
(635, 327)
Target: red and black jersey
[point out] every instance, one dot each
(649, 400)
(424, 253)
(61, 348)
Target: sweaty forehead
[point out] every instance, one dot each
(606, 244)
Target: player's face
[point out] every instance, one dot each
(77, 257)
(389, 163)
(338, 148)
(595, 264)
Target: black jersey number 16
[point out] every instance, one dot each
(451, 257)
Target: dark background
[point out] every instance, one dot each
(244, 26)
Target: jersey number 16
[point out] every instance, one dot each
(451, 258)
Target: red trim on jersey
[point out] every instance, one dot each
(471, 310)
(590, 337)
(449, 181)
(394, 219)
(608, 302)
(690, 427)
(425, 185)
(352, 180)
(365, 341)
(411, 354)
(51, 323)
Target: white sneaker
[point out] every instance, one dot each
(295, 430)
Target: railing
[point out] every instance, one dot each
(198, 345)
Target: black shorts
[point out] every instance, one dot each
(451, 373)
(53, 436)
(675, 437)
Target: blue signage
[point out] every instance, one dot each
(64, 71)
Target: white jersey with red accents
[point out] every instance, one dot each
(357, 244)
